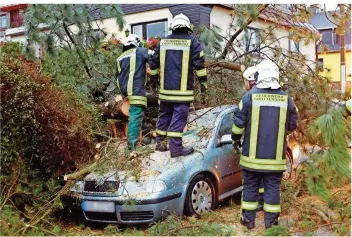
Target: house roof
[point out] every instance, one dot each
(324, 47)
(280, 15)
(320, 21)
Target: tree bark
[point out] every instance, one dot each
(238, 32)
(225, 64)
(110, 108)
(80, 173)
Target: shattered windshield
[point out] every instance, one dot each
(201, 120)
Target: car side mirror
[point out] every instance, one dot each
(225, 139)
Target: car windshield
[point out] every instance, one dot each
(203, 119)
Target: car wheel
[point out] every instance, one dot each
(200, 196)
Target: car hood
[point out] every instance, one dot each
(158, 162)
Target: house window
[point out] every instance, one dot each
(252, 39)
(321, 64)
(294, 46)
(16, 18)
(150, 29)
(4, 21)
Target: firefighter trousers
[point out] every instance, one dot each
(172, 119)
(251, 184)
(134, 125)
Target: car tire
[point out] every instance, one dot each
(200, 196)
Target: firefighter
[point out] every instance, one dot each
(248, 76)
(249, 83)
(266, 114)
(175, 58)
(131, 76)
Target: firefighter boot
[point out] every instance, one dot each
(274, 222)
(184, 152)
(161, 147)
(247, 223)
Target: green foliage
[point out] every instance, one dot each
(278, 230)
(77, 59)
(41, 125)
(331, 132)
(307, 226)
(211, 39)
(111, 230)
(173, 226)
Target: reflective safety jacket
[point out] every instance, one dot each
(131, 75)
(265, 116)
(176, 57)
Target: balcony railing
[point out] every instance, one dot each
(16, 22)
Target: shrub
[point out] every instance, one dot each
(41, 124)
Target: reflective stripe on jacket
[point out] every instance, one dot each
(131, 75)
(176, 57)
(265, 116)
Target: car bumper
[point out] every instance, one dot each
(137, 211)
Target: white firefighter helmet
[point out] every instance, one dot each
(268, 75)
(249, 73)
(132, 40)
(179, 21)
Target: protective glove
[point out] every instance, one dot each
(203, 87)
(237, 145)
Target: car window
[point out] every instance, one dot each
(226, 125)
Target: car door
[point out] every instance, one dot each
(230, 171)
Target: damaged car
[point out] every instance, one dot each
(186, 185)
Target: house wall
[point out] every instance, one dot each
(220, 16)
(111, 28)
(332, 61)
(198, 14)
(139, 13)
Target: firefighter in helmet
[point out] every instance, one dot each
(176, 58)
(131, 76)
(266, 114)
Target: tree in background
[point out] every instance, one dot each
(75, 39)
(323, 129)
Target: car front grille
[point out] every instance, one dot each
(137, 215)
(107, 186)
(101, 216)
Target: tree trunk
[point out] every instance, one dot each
(111, 108)
(225, 64)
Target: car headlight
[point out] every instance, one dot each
(152, 186)
(155, 186)
(158, 186)
(77, 187)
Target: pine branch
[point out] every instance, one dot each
(78, 51)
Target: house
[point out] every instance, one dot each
(147, 20)
(329, 53)
(12, 28)
(11, 22)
